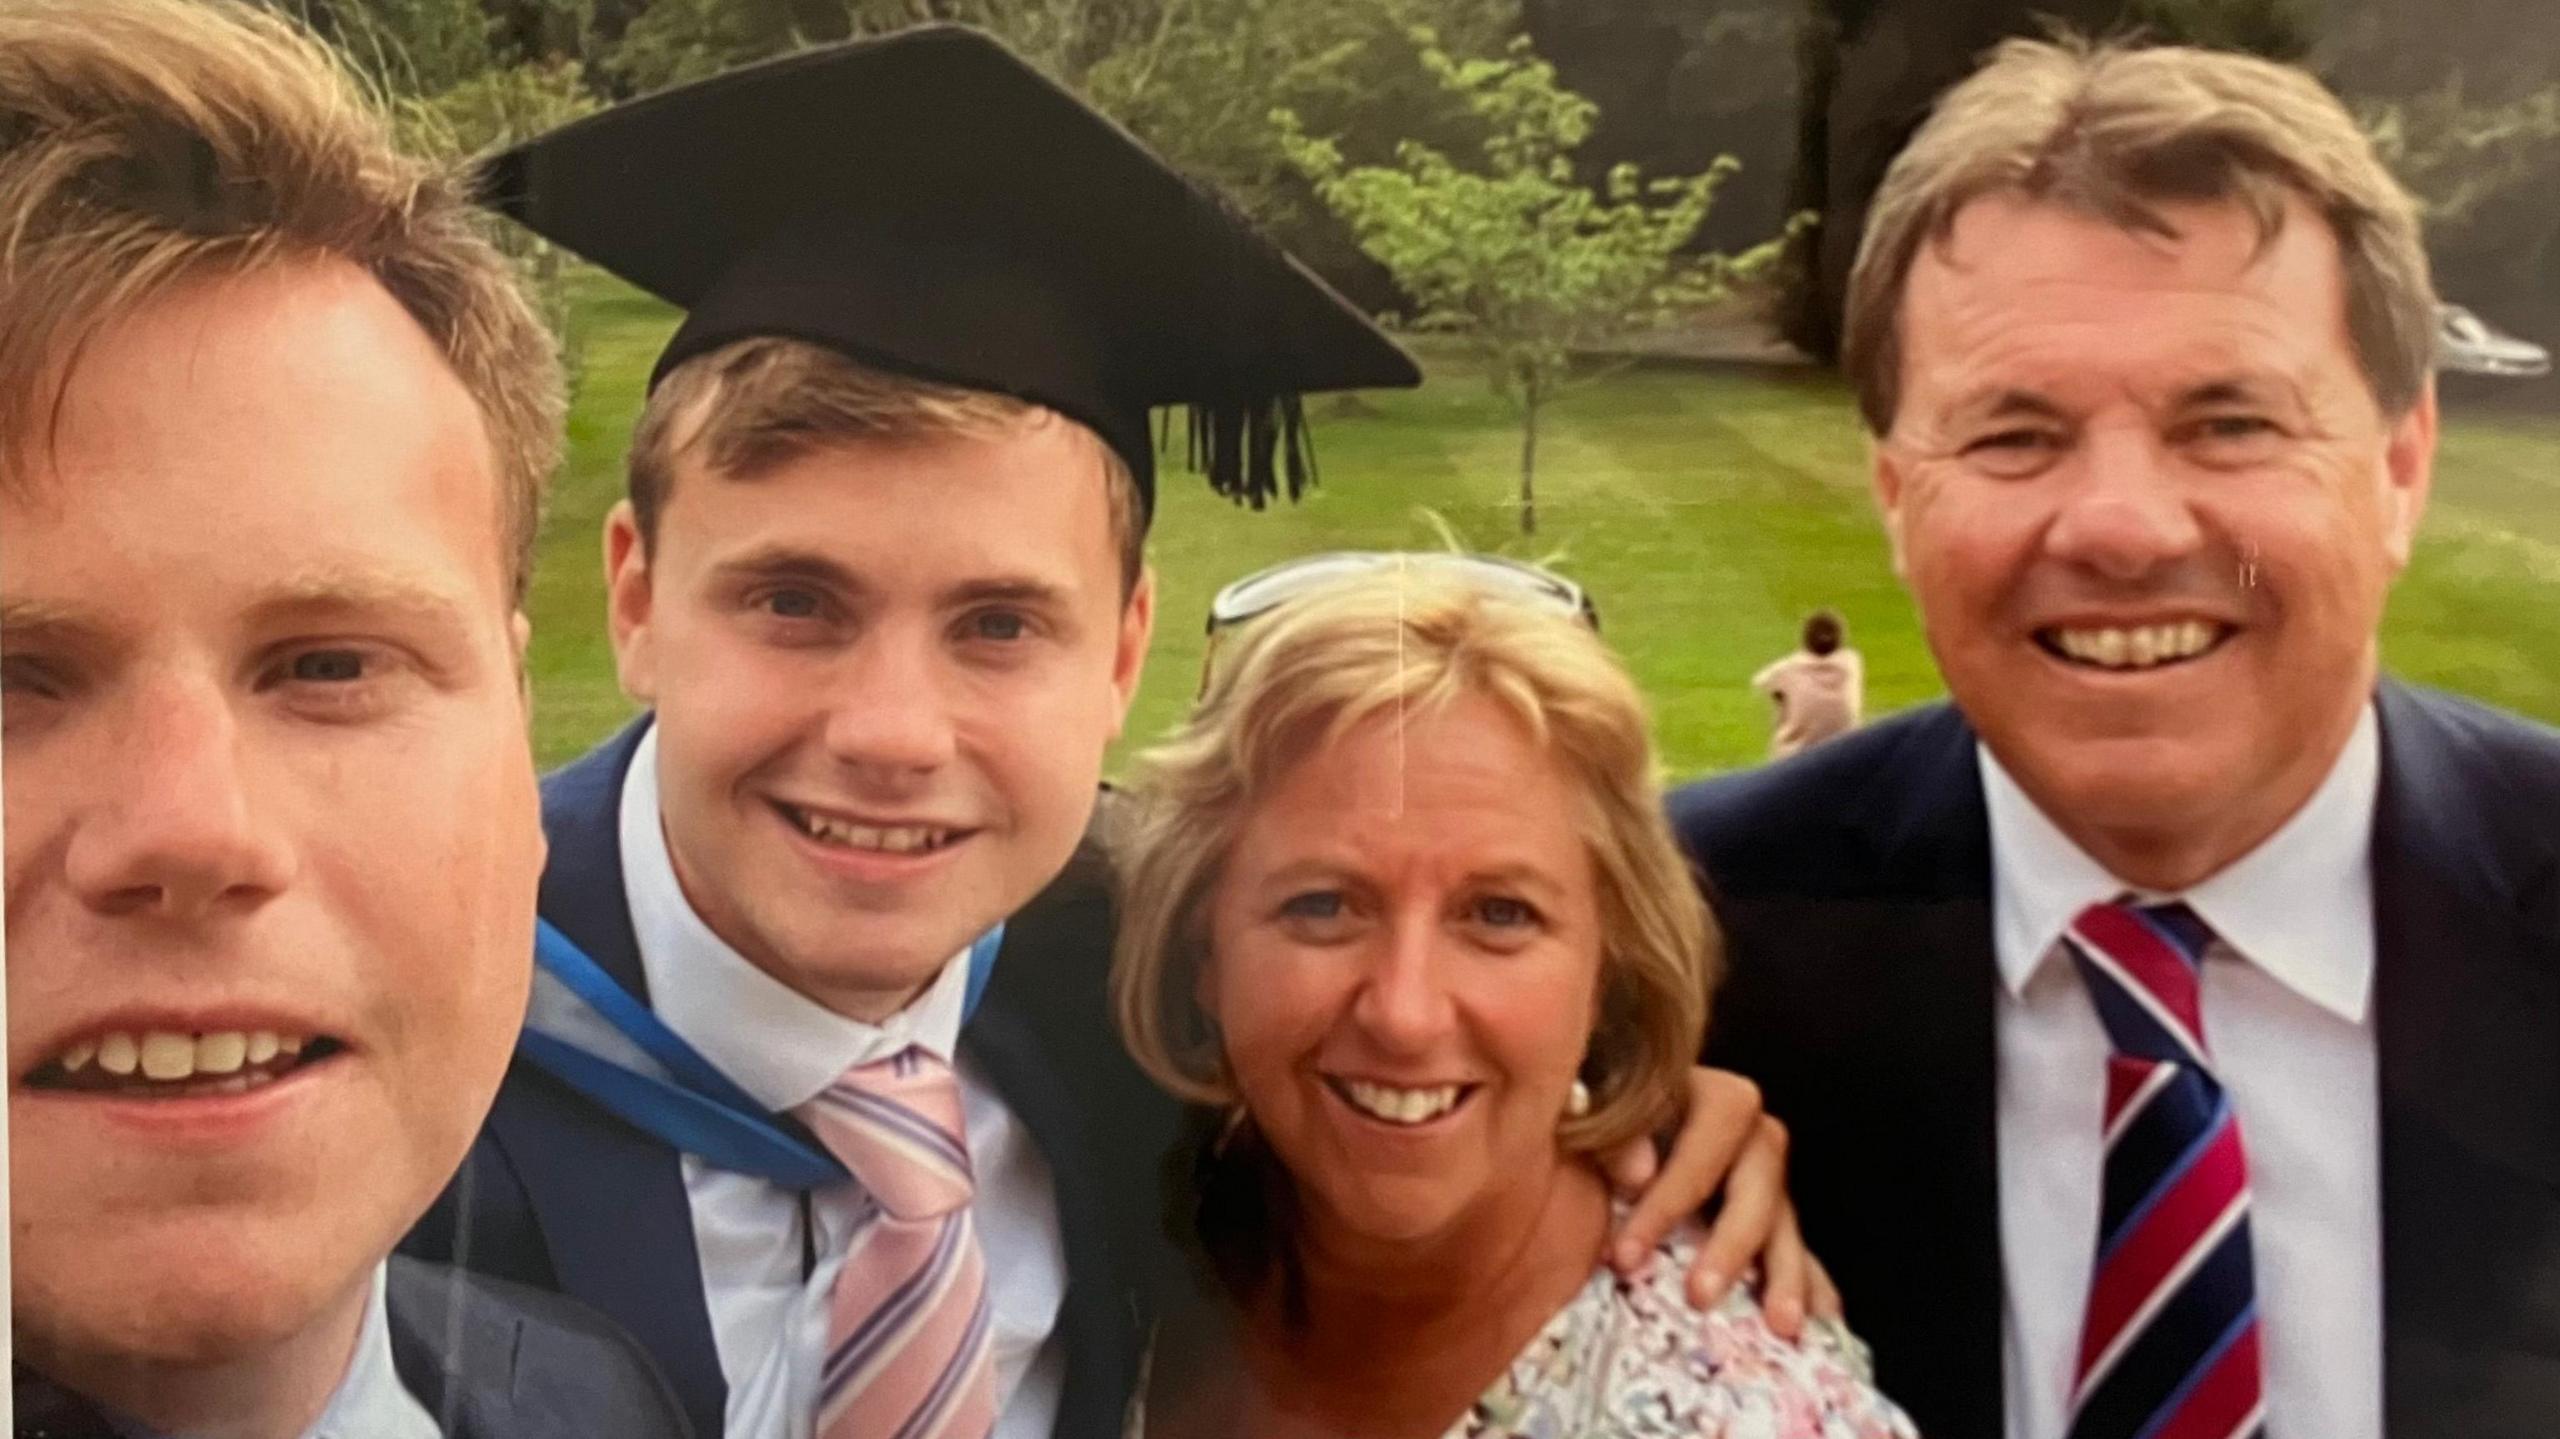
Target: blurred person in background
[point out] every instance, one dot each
(1818, 690)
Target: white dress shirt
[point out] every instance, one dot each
(768, 1318)
(370, 1402)
(2287, 994)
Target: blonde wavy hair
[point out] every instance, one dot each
(147, 143)
(2116, 130)
(1410, 641)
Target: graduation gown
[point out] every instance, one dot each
(558, 1194)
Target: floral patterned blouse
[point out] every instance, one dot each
(1629, 1359)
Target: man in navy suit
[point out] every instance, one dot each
(274, 420)
(2166, 1028)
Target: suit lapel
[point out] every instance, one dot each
(1004, 1040)
(444, 1359)
(1854, 886)
(610, 1200)
(1931, 840)
(2467, 1028)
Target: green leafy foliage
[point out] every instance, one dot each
(2278, 29)
(1516, 254)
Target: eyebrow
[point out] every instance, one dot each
(784, 562)
(1344, 865)
(1019, 590)
(317, 594)
(1521, 873)
(2228, 389)
(2004, 404)
(28, 620)
(330, 592)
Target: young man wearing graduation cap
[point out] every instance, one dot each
(820, 1096)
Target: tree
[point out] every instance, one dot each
(1518, 256)
(1196, 79)
(488, 112)
(2277, 29)
(407, 47)
(1200, 85)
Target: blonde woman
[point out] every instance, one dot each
(1402, 910)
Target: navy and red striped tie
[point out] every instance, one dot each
(2169, 1343)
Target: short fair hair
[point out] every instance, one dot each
(2116, 130)
(757, 403)
(148, 143)
(1412, 641)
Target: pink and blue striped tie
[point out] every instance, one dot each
(2169, 1342)
(908, 1355)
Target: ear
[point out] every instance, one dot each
(2408, 466)
(519, 642)
(630, 603)
(1129, 651)
(1885, 473)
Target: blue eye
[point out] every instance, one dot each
(326, 667)
(1000, 626)
(1505, 912)
(792, 604)
(1315, 904)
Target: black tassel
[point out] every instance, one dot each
(1259, 441)
(1252, 452)
(1301, 443)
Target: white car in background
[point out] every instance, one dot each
(2469, 345)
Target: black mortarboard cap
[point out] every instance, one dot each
(928, 204)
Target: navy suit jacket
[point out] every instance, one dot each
(560, 1195)
(1853, 884)
(490, 1360)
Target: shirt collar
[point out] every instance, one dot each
(371, 1402)
(778, 1044)
(2299, 906)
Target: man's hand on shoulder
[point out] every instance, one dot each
(1731, 1151)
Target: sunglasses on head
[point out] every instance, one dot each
(1265, 590)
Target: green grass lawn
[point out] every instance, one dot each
(1706, 511)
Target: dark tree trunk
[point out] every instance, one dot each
(1529, 462)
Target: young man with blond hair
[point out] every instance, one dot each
(879, 581)
(274, 421)
(2166, 1026)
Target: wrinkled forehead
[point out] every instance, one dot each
(2024, 292)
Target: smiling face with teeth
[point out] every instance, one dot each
(1405, 966)
(885, 672)
(272, 834)
(2144, 496)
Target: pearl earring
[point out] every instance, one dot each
(1577, 1100)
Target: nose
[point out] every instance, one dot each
(176, 826)
(1404, 1004)
(890, 711)
(2125, 513)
